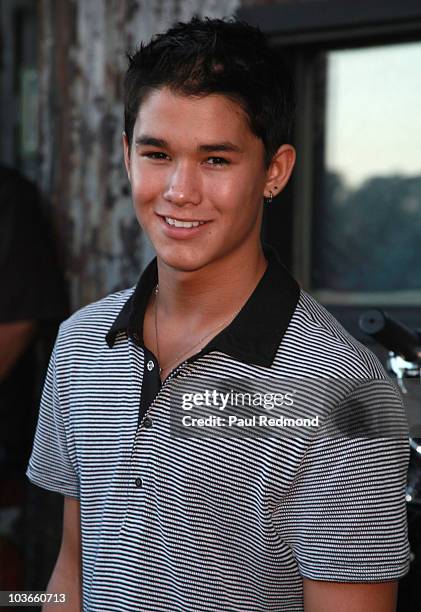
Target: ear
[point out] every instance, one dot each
(280, 170)
(126, 149)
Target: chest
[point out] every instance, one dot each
(173, 463)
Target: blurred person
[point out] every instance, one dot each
(156, 521)
(32, 303)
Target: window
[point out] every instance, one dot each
(349, 224)
(366, 217)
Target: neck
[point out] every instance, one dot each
(212, 292)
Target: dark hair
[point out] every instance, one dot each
(227, 57)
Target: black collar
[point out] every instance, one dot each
(254, 334)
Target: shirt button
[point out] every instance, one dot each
(138, 482)
(150, 365)
(147, 422)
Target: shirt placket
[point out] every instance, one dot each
(151, 388)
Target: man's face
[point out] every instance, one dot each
(195, 161)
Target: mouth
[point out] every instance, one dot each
(179, 223)
(182, 228)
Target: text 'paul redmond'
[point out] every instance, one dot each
(260, 420)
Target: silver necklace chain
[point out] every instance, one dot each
(191, 348)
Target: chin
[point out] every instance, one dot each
(183, 262)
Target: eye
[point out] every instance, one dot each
(159, 155)
(217, 161)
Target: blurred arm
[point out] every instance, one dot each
(14, 339)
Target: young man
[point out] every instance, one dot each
(188, 523)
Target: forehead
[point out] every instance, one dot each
(210, 116)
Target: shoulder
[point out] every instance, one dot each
(325, 345)
(91, 323)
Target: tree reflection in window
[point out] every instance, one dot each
(370, 238)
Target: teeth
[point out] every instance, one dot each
(178, 223)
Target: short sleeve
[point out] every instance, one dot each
(51, 466)
(345, 514)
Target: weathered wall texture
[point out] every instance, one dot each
(82, 62)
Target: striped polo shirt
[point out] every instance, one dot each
(233, 516)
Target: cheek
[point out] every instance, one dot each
(144, 188)
(219, 192)
(229, 190)
(237, 196)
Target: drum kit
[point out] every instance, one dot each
(404, 364)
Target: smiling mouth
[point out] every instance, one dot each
(187, 224)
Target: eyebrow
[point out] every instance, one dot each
(226, 146)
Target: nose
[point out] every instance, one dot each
(183, 185)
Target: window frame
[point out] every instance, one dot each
(304, 30)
